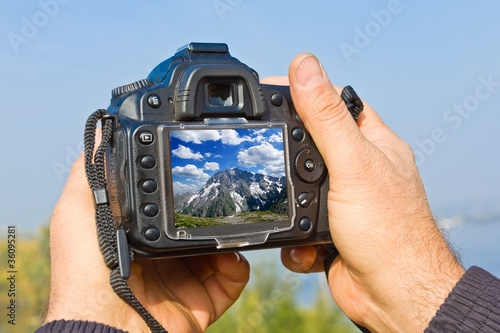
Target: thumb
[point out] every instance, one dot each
(322, 110)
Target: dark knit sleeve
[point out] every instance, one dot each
(472, 306)
(76, 326)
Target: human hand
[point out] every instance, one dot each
(394, 269)
(182, 294)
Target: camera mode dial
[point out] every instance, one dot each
(131, 87)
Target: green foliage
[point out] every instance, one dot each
(269, 305)
(32, 281)
(188, 221)
(262, 216)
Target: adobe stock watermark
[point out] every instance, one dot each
(454, 118)
(62, 169)
(363, 36)
(224, 6)
(31, 26)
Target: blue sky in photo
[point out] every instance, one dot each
(196, 155)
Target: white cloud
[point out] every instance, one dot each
(273, 170)
(231, 137)
(259, 131)
(190, 171)
(266, 155)
(184, 188)
(275, 138)
(227, 136)
(212, 166)
(196, 136)
(209, 154)
(261, 136)
(186, 153)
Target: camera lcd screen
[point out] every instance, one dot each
(228, 176)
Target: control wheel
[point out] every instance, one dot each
(309, 166)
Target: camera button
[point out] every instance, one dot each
(309, 166)
(298, 134)
(148, 162)
(146, 138)
(152, 234)
(149, 186)
(277, 99)
(306, 198)
(150, 210)
(154, 101)
(305, 224)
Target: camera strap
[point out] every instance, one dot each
(112, 239)
(352, 101)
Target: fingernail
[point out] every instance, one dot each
(295, 255)
(238, 257)
(308, 72)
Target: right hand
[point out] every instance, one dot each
(394, 269)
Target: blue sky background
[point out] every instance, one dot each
(196, 155)
(430, 68)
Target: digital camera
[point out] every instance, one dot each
(205, 159)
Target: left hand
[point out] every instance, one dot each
(183, 294)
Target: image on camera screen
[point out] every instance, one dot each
(228, 176)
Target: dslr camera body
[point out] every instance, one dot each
(205, 159)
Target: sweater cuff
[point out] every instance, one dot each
(76, 326)
(472, 306)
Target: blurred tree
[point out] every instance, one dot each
(32, 280)
(325, 316)
(269, 305)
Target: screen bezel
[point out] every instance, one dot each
(252, 233)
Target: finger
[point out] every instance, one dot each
(369, 123)
(228, 264)
(373, 127)
(232, 267)
(304, 259)
(324, 113)
(205, 285)
(73, 218)
(231, 273)
(224, 275)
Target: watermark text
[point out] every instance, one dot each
(31, 25)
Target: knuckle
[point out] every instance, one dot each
(328, 106)
(406, 151)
